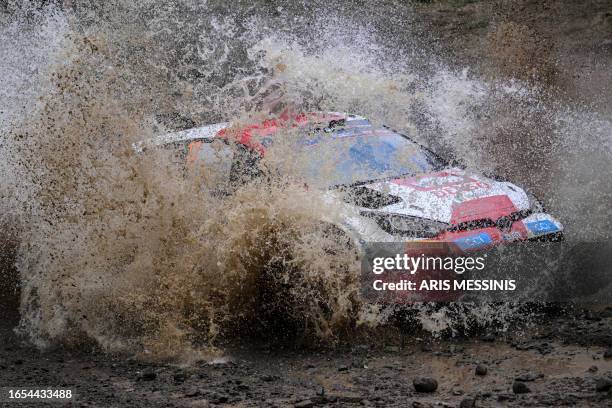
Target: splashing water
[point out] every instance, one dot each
(126, 250)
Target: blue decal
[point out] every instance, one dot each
(541, 227)
(474, 241)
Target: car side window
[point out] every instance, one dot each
(245, 166)
(210, 160)
(223, 165)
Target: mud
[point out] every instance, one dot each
(559, 361)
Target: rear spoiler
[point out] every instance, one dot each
(199, 133)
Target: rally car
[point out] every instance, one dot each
(392, 188)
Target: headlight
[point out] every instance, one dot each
(534, 204)
(408, 226)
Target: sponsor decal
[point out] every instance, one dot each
(474, 241)
(444, 184)
(496, 207)
(541, 227)
(511, 236)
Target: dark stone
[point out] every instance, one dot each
(468, 403)
(603, 384)
(359, 363)
(592, 316)
(192, 392)
(593, 369)
(607, 354)
(481, 370)
(426, 347)
(425, 384)
(148, 375)
(528, 377)
(455, 349)
(607, 312)
(519, 387)
(361, 349)
(304, 404)
(180, 377)
(343, 368)
(217, 398)
(346, 398)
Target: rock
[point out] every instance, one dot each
(481, 370)
(593, 369)
(607, 354)
(528, 377)
(217, 398)
(426, 347)
(592, 316)
(321, 391)
(607, 312)
(455, 349)
(361, 349)
(488, 338)
(347, 398)
(192, 392)
(343, 368)
(542, 347)
(268, 378)
(304, 404)
(18, 362)
(147, 375)
(179, 377)
(425, 384)
(468, 403)
(519, 387)
(606, 45)
(220, 361)
(603, 384)
(359, 363)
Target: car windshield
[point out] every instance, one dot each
(360, 153)
(352, 153)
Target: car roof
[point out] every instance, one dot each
(243, 134)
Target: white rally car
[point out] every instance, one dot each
(393, 189)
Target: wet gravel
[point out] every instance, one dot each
(551, 367)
